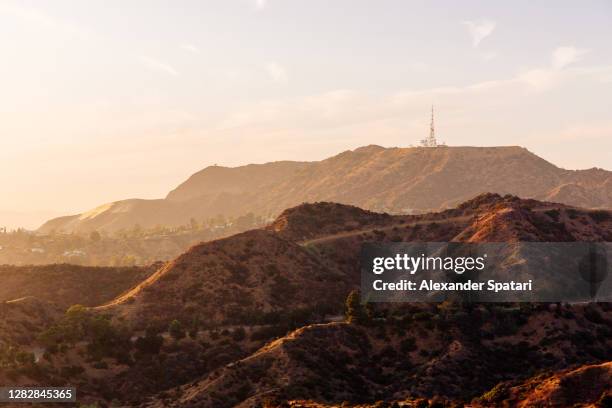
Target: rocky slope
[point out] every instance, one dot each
(398, 180)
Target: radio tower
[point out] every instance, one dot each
(432, 132)
(431, 140)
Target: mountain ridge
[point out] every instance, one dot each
(398, 180)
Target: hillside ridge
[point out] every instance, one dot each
(396, 180)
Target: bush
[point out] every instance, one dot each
(496, 394)
(176, 330)
(355, 311)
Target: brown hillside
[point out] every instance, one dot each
(230, 295)
(308, 221)
(22, 319)
(66, 285)
(256, 275)
(397, 180)
(424, 354)
(249, 277)
(586, 386)
(237, 180)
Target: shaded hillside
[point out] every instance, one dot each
(22, 319)
(256, 275)
(66, 285)
(397, 180)
(454, 354)
(251, 277)
(308, 221)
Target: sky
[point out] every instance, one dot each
(107, 100)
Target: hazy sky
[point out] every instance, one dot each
(104, 100)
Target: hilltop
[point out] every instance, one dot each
(396, 180)
(251, 277)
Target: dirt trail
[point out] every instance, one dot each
(347, 234)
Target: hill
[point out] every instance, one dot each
(251, 277)
(65, 285)
(438, 354)
(22, 319)
(251, 178)
(397, 180)
(308, 259)
(258, 315)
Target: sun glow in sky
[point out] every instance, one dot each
(105, 100)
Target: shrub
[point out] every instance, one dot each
(355, 312)
(496, 394)
(176, 330)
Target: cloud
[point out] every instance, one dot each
(158, 66)
(260, 4)
(276, 72)
(345, 110)
(190, 48)
(479, 30)
(564, 56)
(37, 17)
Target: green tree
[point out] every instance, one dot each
(355, 311)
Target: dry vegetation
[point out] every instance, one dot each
(245, 320)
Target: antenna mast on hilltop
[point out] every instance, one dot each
(432, 131)
(431, 140)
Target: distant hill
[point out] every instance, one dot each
(252, 178)
(397, 180)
